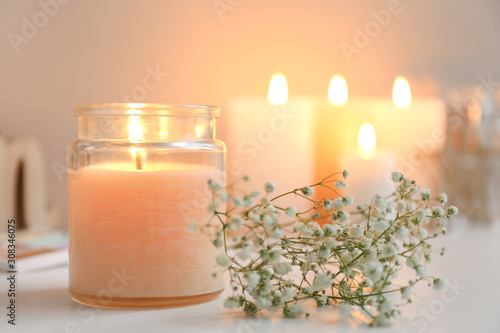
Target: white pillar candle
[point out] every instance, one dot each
(271, 142)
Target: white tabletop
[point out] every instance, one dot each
(472, 305)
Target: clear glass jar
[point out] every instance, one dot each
(137, 177)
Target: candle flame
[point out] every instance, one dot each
(337, 91)
(278, 90)
(134, 129)
(367, 141)
(135, 135)
(401, 94)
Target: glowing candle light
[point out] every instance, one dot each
(369, 168)
(337, 91)
(401, 94)
(278, 90)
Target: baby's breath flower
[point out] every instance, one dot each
(223, 260)
(413, 261)
(307, 231)
(347, 200)
(231, 303)
(366, 243)
(244, 253)
(379, 201)
(340, 184)
(324, 252)
(218, 242)
(263, 302)
(252, 278)
(235, 223)
(397, 177)
(438, 212)
(438, 284)
(330, 242)
(421, 270)
(307, 191)
(213, 184)
(293, 311)
(381, 225)
(388, 251)
(237, 201)
(276, 233)
(401, 231)
(345, 174)
(318, 232)
(373, 270)
(247, 201)
(442, 198)
(291, 211)
(327, 204)
(287, 294)
(337, 203)
(410, 207)
(264, 201)
(322, 281)
(224, 197)
(355, 231)
(269, 187)
(452, 210)
(269, 222)
(422, 233)
(330, 229)
(282, 268)
(425, 194)
(400, 207)
(343, 216)
(297, 226)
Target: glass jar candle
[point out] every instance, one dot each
(137, 177)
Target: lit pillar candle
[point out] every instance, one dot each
(271, 139)
(369, 168)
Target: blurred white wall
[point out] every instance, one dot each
(55, 55)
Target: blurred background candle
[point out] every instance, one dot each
(135, 183)
(411, 128)
(271, 139)
(369, 168)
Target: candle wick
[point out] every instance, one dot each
(139, 158)
(138, 161)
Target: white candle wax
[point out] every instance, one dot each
(133, 223)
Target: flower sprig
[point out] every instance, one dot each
(278, 256)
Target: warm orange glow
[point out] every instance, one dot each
(278, 89)
(337, 91)
(401, 95)
(367, 141)
(135, 135)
